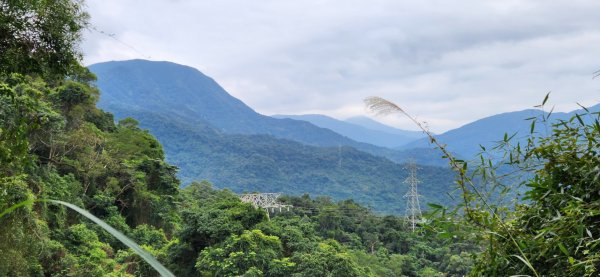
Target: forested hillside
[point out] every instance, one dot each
(247, 163)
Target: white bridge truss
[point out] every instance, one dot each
(267, 201)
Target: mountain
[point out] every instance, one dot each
(237, 157)
(173, 89)
(248, 163)
(489, 131)
(391, 137)
(377, 126)
(184, 91)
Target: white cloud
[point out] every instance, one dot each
(449, 63)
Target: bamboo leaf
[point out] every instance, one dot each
(435, 206)
(579, 119)
(563, 249)
(584, 108)
(546, 98)
(526, 262)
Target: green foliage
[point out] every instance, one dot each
(40, 37)
(556, 230)
(89, 255)
(221, 236)
(251, 251)
(16, 228)
(551, 232)
(328, 259)
(55, 144)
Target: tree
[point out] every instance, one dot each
(328, 259)
(251, 253)
(40, 37)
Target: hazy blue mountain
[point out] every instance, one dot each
(392, 139)
(171, 89)
(378, 126)
(490, 131)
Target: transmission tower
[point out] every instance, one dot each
(413, 208)
(267, 201)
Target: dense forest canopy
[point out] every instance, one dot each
(56, 144)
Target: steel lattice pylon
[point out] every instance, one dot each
(267, 201)
(413, 208)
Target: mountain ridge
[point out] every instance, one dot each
(488, 131)
(358, 132)
(152, 86)
(372, 124)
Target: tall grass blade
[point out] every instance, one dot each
(124, 239)
(120, 236)
(16, 206)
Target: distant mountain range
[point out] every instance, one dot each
(489, 131)
(182, 108)
(361, 129)
(173, 89)
(211, 135)
(377, 126)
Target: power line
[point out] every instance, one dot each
(114, 36)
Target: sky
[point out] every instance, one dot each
(446, 62)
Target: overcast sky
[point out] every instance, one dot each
(447, 62)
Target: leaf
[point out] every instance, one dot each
(579, 119)
(584, 108)
(16, 206)
(526, 262)
(496, 234)
(435, 206)
(444, 235)
(550, 112)
(563, 248)
(546, 98)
